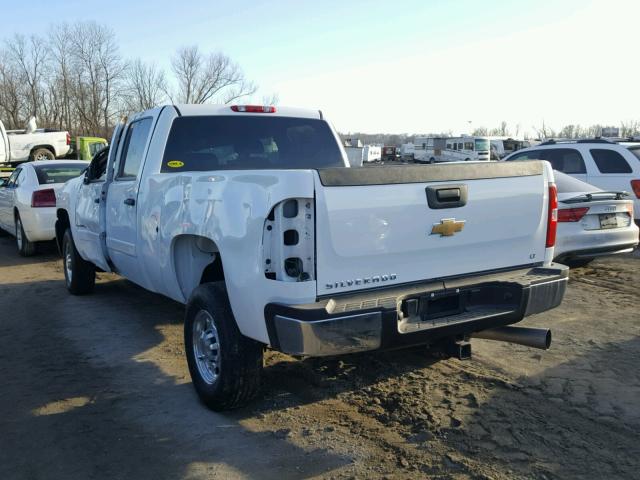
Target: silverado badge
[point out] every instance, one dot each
(447, 227)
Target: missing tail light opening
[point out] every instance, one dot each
(288, 241)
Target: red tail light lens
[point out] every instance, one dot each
(68, 139)
(43, 198)
(572, 214)
(552, 215)
(253, 108)
(635, 186)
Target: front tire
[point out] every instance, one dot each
(25, 247)
(79, 275)
(225, 366)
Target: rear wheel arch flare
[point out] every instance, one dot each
(195, 258)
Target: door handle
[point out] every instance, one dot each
(129, 201)
(96, 200)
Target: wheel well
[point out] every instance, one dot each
(62, 223)
(196, 260)
(46, 147)
(214, 272)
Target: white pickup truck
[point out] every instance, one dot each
(17, 146)
(250, 216)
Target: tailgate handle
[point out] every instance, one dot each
(447, 196)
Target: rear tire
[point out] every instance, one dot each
(42, 154)
(577, 262)
(225, 365)
(79, 275)
(25, 247)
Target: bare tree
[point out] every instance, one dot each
(11, 97)
(146, 85)
(62, 85)
(30, 58)
(98, 72)
(630, 128)
(75, 78)
(272, 99)
(207, 78)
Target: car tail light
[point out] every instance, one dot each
(68, 139)
(630, 209)
(572, 214)
(43, 198)
(253, 108)
(635, 186)
(552, 215)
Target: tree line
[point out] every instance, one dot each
(75, 78)
(625, 129)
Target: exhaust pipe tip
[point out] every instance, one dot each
(527, 336)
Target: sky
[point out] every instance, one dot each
(395, 66)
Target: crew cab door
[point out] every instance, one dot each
(88, 229)
(121, 208)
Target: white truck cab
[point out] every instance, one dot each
(251, 217)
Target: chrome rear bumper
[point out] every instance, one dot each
(417, 314)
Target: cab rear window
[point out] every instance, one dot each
(201, 143)
(58, 173)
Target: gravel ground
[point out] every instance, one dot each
(97, 387)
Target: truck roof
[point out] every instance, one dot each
(210, 109)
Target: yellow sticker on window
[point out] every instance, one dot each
(175, 164)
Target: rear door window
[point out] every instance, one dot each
(610, 161)
(201, 143)
(565, 160)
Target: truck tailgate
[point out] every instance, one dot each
(375, 226)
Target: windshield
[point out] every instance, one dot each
(58, 173)
(201, 143)
(482, 144)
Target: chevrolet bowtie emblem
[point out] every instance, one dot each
(447, 227)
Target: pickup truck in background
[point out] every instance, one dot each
(84, 148)
(250, 216)
(17, 146)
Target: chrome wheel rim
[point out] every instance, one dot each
(19, 233)
(68, 263)
(42, 156)
(206, 347)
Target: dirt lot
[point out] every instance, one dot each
(97, 387)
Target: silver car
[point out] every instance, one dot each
(592, 222)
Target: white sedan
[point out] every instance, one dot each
(28, 200)
(591, 222)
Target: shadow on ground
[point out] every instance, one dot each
(96, 387)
